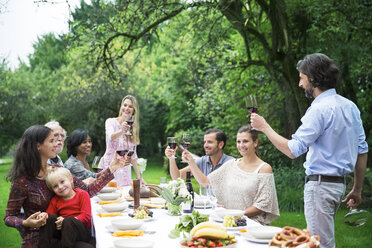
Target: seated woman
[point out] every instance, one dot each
(246, 183)
(29, 189)
(79, 146)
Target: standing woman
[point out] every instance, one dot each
(29, 189)
(79, 146)
(246, 183)
(117, 139)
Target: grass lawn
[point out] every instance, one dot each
(346, 236)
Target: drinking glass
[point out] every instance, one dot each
(163, 181)
(130, 123)
(185, 142)
(356, 217)
(211, 196)
(131, 149)
(95, 164)
(203, 194)
(251, 103)
(172, 142)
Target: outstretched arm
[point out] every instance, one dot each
(281, 143)
(196, 172)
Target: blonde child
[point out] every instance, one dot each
(69, 211)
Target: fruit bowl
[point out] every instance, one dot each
(184, 245)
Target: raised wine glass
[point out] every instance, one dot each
(185, 142)
(130, 122)
(251, 104)
(131, 149)
(356, 217)
(172, 142)
(95, 164)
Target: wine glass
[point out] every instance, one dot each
(185, 142)
(251, 104)
(172, 142)
(211, 196)
(131, 149)
(130, 122)
(95, 164)
(356, 217)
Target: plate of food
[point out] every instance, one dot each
(142, 213)
(234, 223)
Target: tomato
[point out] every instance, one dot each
(211, 244)
(219, 243)
(184, 243)
(190, 243)
(203, 241)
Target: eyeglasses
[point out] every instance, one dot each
(60, 134)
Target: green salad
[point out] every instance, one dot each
(187, 222)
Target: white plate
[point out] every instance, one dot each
(108, 196)
(215, 218)
(263, 232)
(146, 220)
(112, 229)
(250, 238)
(108, 190)
(133, 243)
(236, 228)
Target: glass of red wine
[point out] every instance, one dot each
(131, 150)
(251, 104)
(130, 123)
(172, 142)
(95, 164)
(122, 153)
(185, 142)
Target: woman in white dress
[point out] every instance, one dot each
(246, 183)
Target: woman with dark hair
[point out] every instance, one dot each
(29, 189)
(246, 183)
(79, 146)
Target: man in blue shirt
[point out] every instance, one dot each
(332, 134)
(214, 142)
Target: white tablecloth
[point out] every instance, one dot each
(162, 223)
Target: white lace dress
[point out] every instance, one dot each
(238, 189)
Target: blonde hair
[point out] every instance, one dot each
(136, 125)
(56, 172)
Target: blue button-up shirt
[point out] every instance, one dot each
(205, 165)
(332, 134)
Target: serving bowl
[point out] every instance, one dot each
(108, 196)
(263, 232)
(115, 207)
(221, 213)
(133, 243)
(126, 223)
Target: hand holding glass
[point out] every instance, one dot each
(172, 142)
(185, 143)
(130, 122)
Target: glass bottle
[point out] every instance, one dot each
(189, 206)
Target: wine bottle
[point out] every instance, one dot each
(189, 206)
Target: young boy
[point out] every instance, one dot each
(69, 211)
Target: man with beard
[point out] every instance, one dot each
(214, 142)
(60, 134)
(332, 134)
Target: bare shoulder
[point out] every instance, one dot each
(266, 169)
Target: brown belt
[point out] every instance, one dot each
(328, 179)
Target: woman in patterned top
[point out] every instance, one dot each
(117, 139)
(79, 146)
(29, 190)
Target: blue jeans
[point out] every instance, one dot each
(322, 200)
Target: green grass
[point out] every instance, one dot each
(346, 236)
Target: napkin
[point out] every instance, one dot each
(150, 205)
(110, 214)
(128, 233)
(107, 202)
